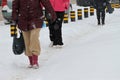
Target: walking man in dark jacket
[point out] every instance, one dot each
(100, 6)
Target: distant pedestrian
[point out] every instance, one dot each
(28, 15)
(100, 6)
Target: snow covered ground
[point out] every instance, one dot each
(91, 52)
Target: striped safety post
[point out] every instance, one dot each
(79, 14)
(65, 19)
(85, 12)
(72, 16)
(112, 5)
(117, 5)
(91, 10)
(13, 30)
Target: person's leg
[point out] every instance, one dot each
(50, 27)
(34, 41)
(26, 35)
(32, 46)
(51, 31)
(58, 28)
(98, 16)
(103, 17)
(35, 46)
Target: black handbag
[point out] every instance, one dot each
(18, 46)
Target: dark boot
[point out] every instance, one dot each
(103, 21)
(98, 21)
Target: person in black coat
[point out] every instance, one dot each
(100, 6)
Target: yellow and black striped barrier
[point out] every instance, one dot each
(91, 11)
(115, 5)
(13, 30)
(72, 16)
(85, 12)
(79, 14)
(65, 19)
(112, 5)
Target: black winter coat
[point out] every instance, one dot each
(100, 4)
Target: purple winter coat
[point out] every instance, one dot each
(28, 13)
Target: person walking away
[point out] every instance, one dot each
(100, 6)
(28, 16)
(55, 29)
